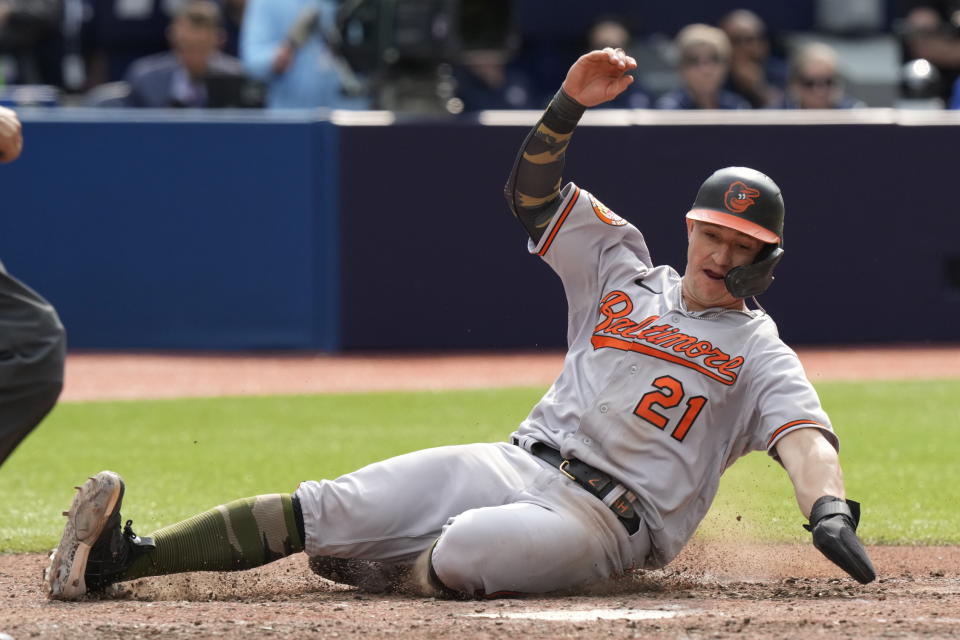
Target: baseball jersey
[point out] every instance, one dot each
(661, 397)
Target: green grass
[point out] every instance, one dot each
(180, 457)
(900, 451)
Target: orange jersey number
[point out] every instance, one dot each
(668, 395)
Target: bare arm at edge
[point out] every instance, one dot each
(813, 466)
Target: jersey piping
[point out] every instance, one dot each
(560, 221)
(789, 425)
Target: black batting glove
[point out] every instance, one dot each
(833, 523)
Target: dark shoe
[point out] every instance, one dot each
(94, 551)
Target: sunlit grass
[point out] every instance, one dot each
(178, 457)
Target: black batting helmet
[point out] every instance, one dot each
(747, 201)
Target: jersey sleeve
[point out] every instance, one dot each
(584, 241)
(786, 401)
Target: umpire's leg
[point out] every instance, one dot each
(32, 352)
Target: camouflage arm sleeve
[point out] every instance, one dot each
(533, 188)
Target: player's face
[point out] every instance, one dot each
(712, 251)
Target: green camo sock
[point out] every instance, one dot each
(239, 535)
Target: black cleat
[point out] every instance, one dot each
(94, 551)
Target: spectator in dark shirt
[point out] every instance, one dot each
(492, 80)
(179, 78)
(614, 32)
(815, 80)
(755, 75)
(118, 32)
(931, 31)
(28, 28)
(232, 21)
(704, 57)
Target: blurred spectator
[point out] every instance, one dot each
(282, 43)
(489, 80)
(614, 32)
(755, 75)
(27, 28)
(919, 86)
(179, 78)
(232, 19)
(815, 80)
(704, 56)
(955, 96)
(931, 31)
(117, 32)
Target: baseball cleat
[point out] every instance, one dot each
(94, 551)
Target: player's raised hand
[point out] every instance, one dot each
(599, 76)
(11, 136)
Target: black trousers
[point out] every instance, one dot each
(32, 352)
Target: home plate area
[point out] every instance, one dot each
(586, 615)
(765, 592)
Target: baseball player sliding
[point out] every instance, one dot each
(667, 382)
(32, 340)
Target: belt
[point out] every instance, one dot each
(596, 482)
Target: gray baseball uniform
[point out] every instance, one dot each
(661, 398)
(618, 463)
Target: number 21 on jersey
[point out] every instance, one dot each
(668, 394)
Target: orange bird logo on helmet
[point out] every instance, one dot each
(739, 197)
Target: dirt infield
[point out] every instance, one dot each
(765, 593)
(713, 590)
(106, 377)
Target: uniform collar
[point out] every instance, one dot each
(679, 305)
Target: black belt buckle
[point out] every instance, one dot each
(563, 469)
(596, 482)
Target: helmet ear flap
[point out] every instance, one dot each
(753, 279)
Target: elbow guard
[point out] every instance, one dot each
(833, 523)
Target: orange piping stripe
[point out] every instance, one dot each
(556, 227)
(787, 426)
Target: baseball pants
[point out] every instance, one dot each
(32, 352)
(502, 519)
